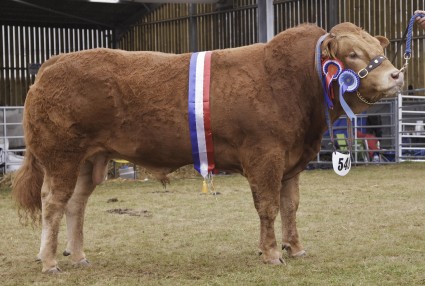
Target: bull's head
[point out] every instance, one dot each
(356, 49)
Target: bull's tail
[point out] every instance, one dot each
(26, 188)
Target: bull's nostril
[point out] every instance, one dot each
(395, 75)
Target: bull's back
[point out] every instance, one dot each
(102, 94)
(119, 82)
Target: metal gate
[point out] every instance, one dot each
(411, 134)
(400, 132)
(12, 145)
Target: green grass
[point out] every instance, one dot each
(363, 229)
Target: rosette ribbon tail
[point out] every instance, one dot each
(348, 82)
(350, 114)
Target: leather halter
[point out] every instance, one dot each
(373, 64)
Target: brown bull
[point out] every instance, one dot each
(267, 118)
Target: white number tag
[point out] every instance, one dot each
(341, 163)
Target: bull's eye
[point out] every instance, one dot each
(352, 55)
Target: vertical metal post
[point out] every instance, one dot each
(356, 147)
(193, 35)
(399, 140)
(5, 150)
(265, 20)
(333, 13)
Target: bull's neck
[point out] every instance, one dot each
(290, 64)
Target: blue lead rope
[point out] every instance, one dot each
(408, 51)
(409, 32)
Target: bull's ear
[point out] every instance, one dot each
(329, 47)
(383, 41)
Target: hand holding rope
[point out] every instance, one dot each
(419, 19)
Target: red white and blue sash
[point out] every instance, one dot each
(199, 113)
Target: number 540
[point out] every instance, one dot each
(343, 165)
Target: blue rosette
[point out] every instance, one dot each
(348, 81)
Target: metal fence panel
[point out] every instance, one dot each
(411, 128)
(12, 143)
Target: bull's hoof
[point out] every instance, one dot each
(277, 261)
(269, 259)
(288, 248)
(53, 270)
(66, 253)
(301, 253)
(83, 262)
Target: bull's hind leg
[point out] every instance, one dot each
(264, 174)
(57, 188)
(289, 200)
(74, 213)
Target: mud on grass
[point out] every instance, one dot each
(363, 229)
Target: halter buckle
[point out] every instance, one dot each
(363, 73)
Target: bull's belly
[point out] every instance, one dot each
(151, 151)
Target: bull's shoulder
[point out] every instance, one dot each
(291, 52)
(251, 55)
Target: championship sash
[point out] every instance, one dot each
(199, 113)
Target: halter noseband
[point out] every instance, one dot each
(373, 64)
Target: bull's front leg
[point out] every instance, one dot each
(264, 173)
(289, 200)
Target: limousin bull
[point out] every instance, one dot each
(267, 119)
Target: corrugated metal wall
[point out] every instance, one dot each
(23, 46)
(167, 29)
(292, 13)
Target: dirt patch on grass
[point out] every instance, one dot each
(130, 212)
